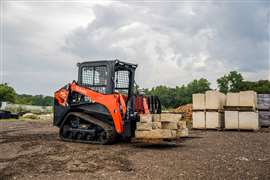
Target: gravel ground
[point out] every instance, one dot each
(32, 150)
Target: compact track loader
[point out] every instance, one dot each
(102, 106)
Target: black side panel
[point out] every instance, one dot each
(93, 108)
(96, 110)
(59, 113)
(130, 119)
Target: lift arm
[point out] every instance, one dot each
(113, 102)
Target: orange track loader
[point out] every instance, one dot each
(101, 107)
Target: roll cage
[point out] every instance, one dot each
(107, 77)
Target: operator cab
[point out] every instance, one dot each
(107, 77)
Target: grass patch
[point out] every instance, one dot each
(9, 120)
(24, 119)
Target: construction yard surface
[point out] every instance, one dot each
(32, 150)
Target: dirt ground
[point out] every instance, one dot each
(32, 150)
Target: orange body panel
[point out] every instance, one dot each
(111, 101)
(61, 96)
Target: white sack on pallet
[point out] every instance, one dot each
(214, 120)
(232, 99)
(198, 101)
(248, 99)
(248, 120)
(214, 100)
(231, 120)
(198, 120)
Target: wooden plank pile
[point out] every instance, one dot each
(264, 109)
(185, 110)
(241, 111)
(208, 110)
(161, 126)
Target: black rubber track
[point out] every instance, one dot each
(110, 132)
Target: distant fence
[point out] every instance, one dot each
(17, 108)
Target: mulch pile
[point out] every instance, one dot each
(186, 110)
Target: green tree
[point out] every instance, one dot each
(198, 86)
(173, 97)
(261, 86)
(38, 100)
(223, 84)
(232, 82)
(24, 99)
(48, 101)
(164, 93)
(184, 93)
(235, 81)
(7, 93)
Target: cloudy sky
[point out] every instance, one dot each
(173, 42)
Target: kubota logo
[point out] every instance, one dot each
(81, 90)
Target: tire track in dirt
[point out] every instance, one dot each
(45, 154)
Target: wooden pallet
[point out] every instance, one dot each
(242, 130)
(207, 129)
(265, 126)
(239, 108)
(208, 110)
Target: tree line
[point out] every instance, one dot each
(170, 97)
(231, 82)
(7, 93)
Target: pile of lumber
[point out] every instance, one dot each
(161, 126)
(185, 110)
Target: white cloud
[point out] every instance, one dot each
(34, 35)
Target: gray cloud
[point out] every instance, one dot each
(198, 37)
(173, 43)
(33, 60)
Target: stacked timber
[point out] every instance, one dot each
(264, 109)
(208, 110)
(161, 126)
(241, 111)
(185, 110)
